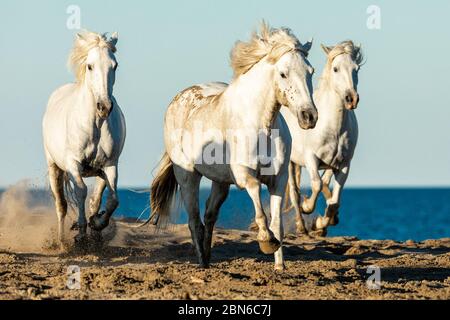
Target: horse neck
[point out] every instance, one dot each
(329, 105)
(252, 97)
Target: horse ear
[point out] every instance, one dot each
(80, 37)
(307, 46)
(114, 38)
(326, 49)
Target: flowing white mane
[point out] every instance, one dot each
(83, 43)
(273, 43)
(346, 47)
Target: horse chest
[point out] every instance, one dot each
(93, 160)
(334, 150)
(97, 146)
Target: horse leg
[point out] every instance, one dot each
(94, 206)
(309, 204)
(334, 203)
(56, 177)
(189, 187)
(80, 191)
(294, 195)
(276, 224)
(331, 212)
(326, 180)
(98, 222)
(267, 241)
(219, 193)
(96, 198)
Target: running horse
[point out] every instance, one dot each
(330, 146)
(84, 133)
(215, 130)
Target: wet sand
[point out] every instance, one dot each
(142, 264)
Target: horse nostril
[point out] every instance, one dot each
(348, 99)
(305, 116)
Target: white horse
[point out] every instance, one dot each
(331, 144)
(84, 132)
(207, 127)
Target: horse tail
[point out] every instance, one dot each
(163, 190)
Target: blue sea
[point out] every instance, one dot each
(397, 214)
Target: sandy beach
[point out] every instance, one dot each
(142, 264)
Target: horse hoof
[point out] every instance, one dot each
(306, 209)
(303, 235)
(269, 247)
(97, 223)
(203, 265)
(253, 227)
(280, 267)
(319, 233)
(334, 221)
(75, 226)
(302, 232)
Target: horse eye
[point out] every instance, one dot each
(89, 67)
(283, 75)
(335, 69)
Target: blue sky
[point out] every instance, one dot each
(165, 46)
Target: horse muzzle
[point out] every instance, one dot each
(351, 100)
(307, 118)
(104, 109)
